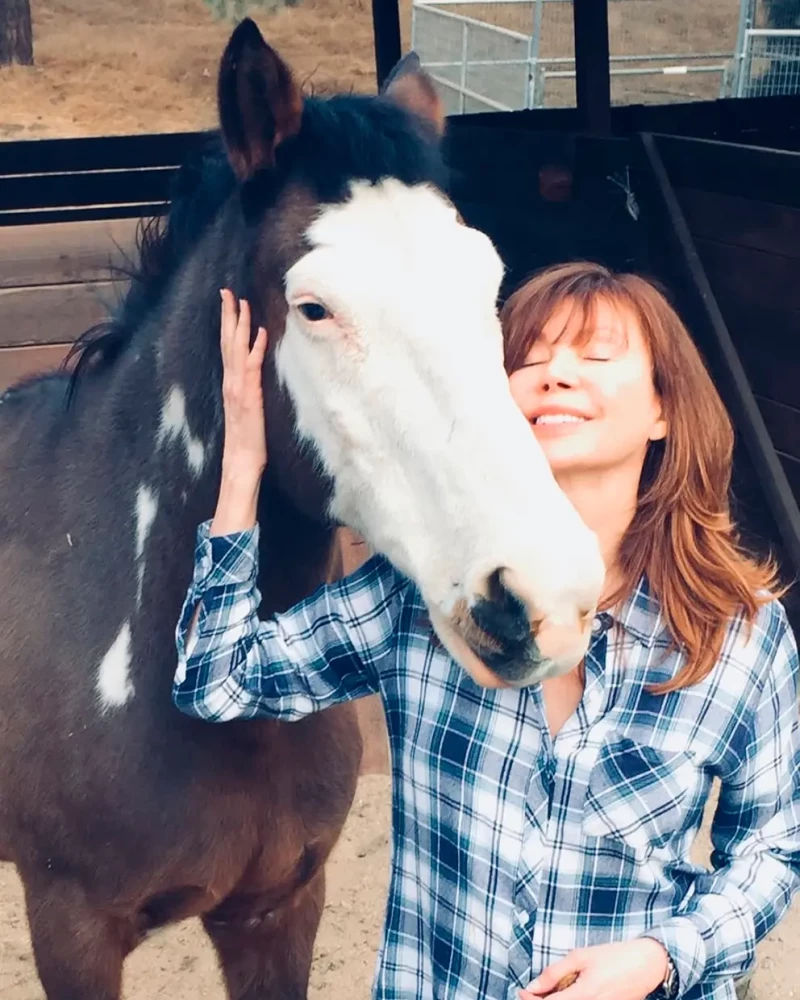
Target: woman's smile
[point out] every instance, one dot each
(556, 421)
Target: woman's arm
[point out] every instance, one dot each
(327, 649)
(755, 832)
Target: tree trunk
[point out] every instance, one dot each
(16, 34)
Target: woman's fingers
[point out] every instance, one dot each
(237, 355)
(558, 976)
(242, 334)
(227, 321)
(242, 364)
(255, 358)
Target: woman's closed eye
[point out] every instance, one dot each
(600, 351)
(599, 355)
(602, 348)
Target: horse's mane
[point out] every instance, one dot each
(197, 191)
(362, 138)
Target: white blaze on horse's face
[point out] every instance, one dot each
(393, 357)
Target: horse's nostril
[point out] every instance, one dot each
(496, 590)
(501, 614)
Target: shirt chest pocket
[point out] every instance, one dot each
(637, 794)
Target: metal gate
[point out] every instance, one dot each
(504, 55)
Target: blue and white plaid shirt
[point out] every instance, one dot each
(511, 848)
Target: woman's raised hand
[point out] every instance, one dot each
(244, 455)
(242, 396)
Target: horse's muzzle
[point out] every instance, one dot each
(517, 652)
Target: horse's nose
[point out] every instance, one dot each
(515, 649)
(503, 618)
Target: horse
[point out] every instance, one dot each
(388, 411)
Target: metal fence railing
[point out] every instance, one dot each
(479, 65)
(511, 54)
(770, 62)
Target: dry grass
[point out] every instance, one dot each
(640, 27)
(106, 67)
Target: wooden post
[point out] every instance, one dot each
(16, 34)
(592, 65)
(386, 31)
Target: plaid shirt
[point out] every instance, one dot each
(511, 848)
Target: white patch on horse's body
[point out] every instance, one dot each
(146, 509)
(402, 390)
(114, 684)
(174, 424)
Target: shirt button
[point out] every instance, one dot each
(523, 917)
(601, 622)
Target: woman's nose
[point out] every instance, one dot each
(561, 371)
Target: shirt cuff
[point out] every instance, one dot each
(224, 560)
(685, 946)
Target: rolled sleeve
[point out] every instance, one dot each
(685, 945)
(327, 649)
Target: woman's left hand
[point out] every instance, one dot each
(629, 970)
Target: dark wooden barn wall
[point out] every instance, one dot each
(702, 210)
(748, 239)
(496, 183)
(68, 215)
(56, 280)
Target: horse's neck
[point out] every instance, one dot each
(156, 412)
(294, 550)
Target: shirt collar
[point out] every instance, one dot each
(640, 616)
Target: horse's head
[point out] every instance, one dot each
(381, 308)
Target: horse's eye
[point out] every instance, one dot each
(313, 311)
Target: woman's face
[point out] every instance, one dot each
(592, 405)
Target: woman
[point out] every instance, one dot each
(542, 835)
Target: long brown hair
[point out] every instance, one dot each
(682, 537)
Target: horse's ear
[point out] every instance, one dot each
(260, 105)
(410, 86)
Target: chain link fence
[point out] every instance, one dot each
(511, 54)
